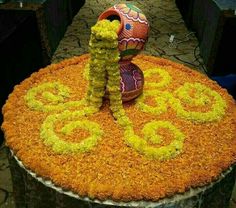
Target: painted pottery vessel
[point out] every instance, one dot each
(132, 36)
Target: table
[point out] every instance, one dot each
(33, 191)
(208, 155)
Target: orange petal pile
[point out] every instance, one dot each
(112, 169)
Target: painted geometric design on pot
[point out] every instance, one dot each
(131, 12)
(133, 31)
(130, 47)
(131, 78)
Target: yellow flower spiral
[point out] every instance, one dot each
(58, 145)
(203, 96)
(150, 135)
(165, 77)
(161, 99)
(55, 102)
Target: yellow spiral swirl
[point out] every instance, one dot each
(161, 99)
(203, 96)
(55, 102)
(150, 134)
(58, 145)
(164, 75)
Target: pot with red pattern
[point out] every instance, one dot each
(132, 36)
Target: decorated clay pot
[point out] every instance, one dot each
(132, 36)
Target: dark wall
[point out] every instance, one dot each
(225, 62)
(214, 23)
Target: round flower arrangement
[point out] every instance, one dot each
(180, 133)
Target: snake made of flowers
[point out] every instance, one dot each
(103, 74)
